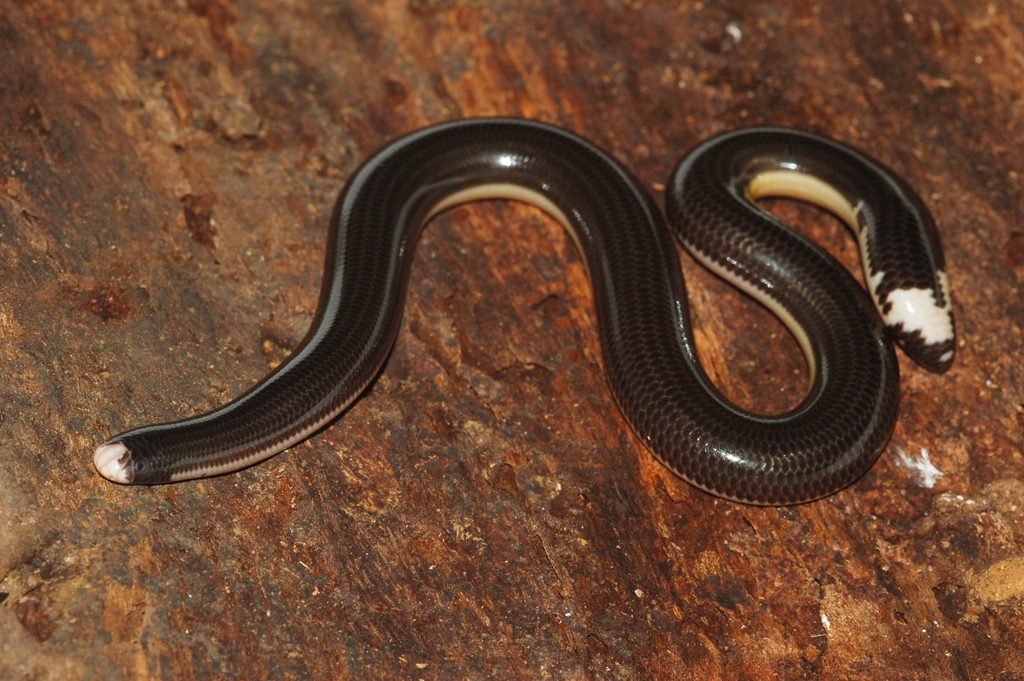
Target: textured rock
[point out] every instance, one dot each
(167, 173)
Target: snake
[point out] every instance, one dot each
(846, 331)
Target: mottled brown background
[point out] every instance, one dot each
(167, 168)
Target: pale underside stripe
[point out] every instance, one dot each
(803, 187)
(267, 452)
(763, 297)
(494, 190)
(502, 190)
(916, 309)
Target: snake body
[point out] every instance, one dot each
(824, 444)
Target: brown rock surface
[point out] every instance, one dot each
(166, 174)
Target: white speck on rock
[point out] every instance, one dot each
(920, 470)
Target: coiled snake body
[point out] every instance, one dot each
(822, 445)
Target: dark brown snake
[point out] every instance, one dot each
(824, 444)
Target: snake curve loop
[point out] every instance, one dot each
(824, 444)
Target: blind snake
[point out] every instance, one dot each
(821, 446)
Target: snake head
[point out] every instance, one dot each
(113, 460)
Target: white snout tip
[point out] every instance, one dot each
(111, 460)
